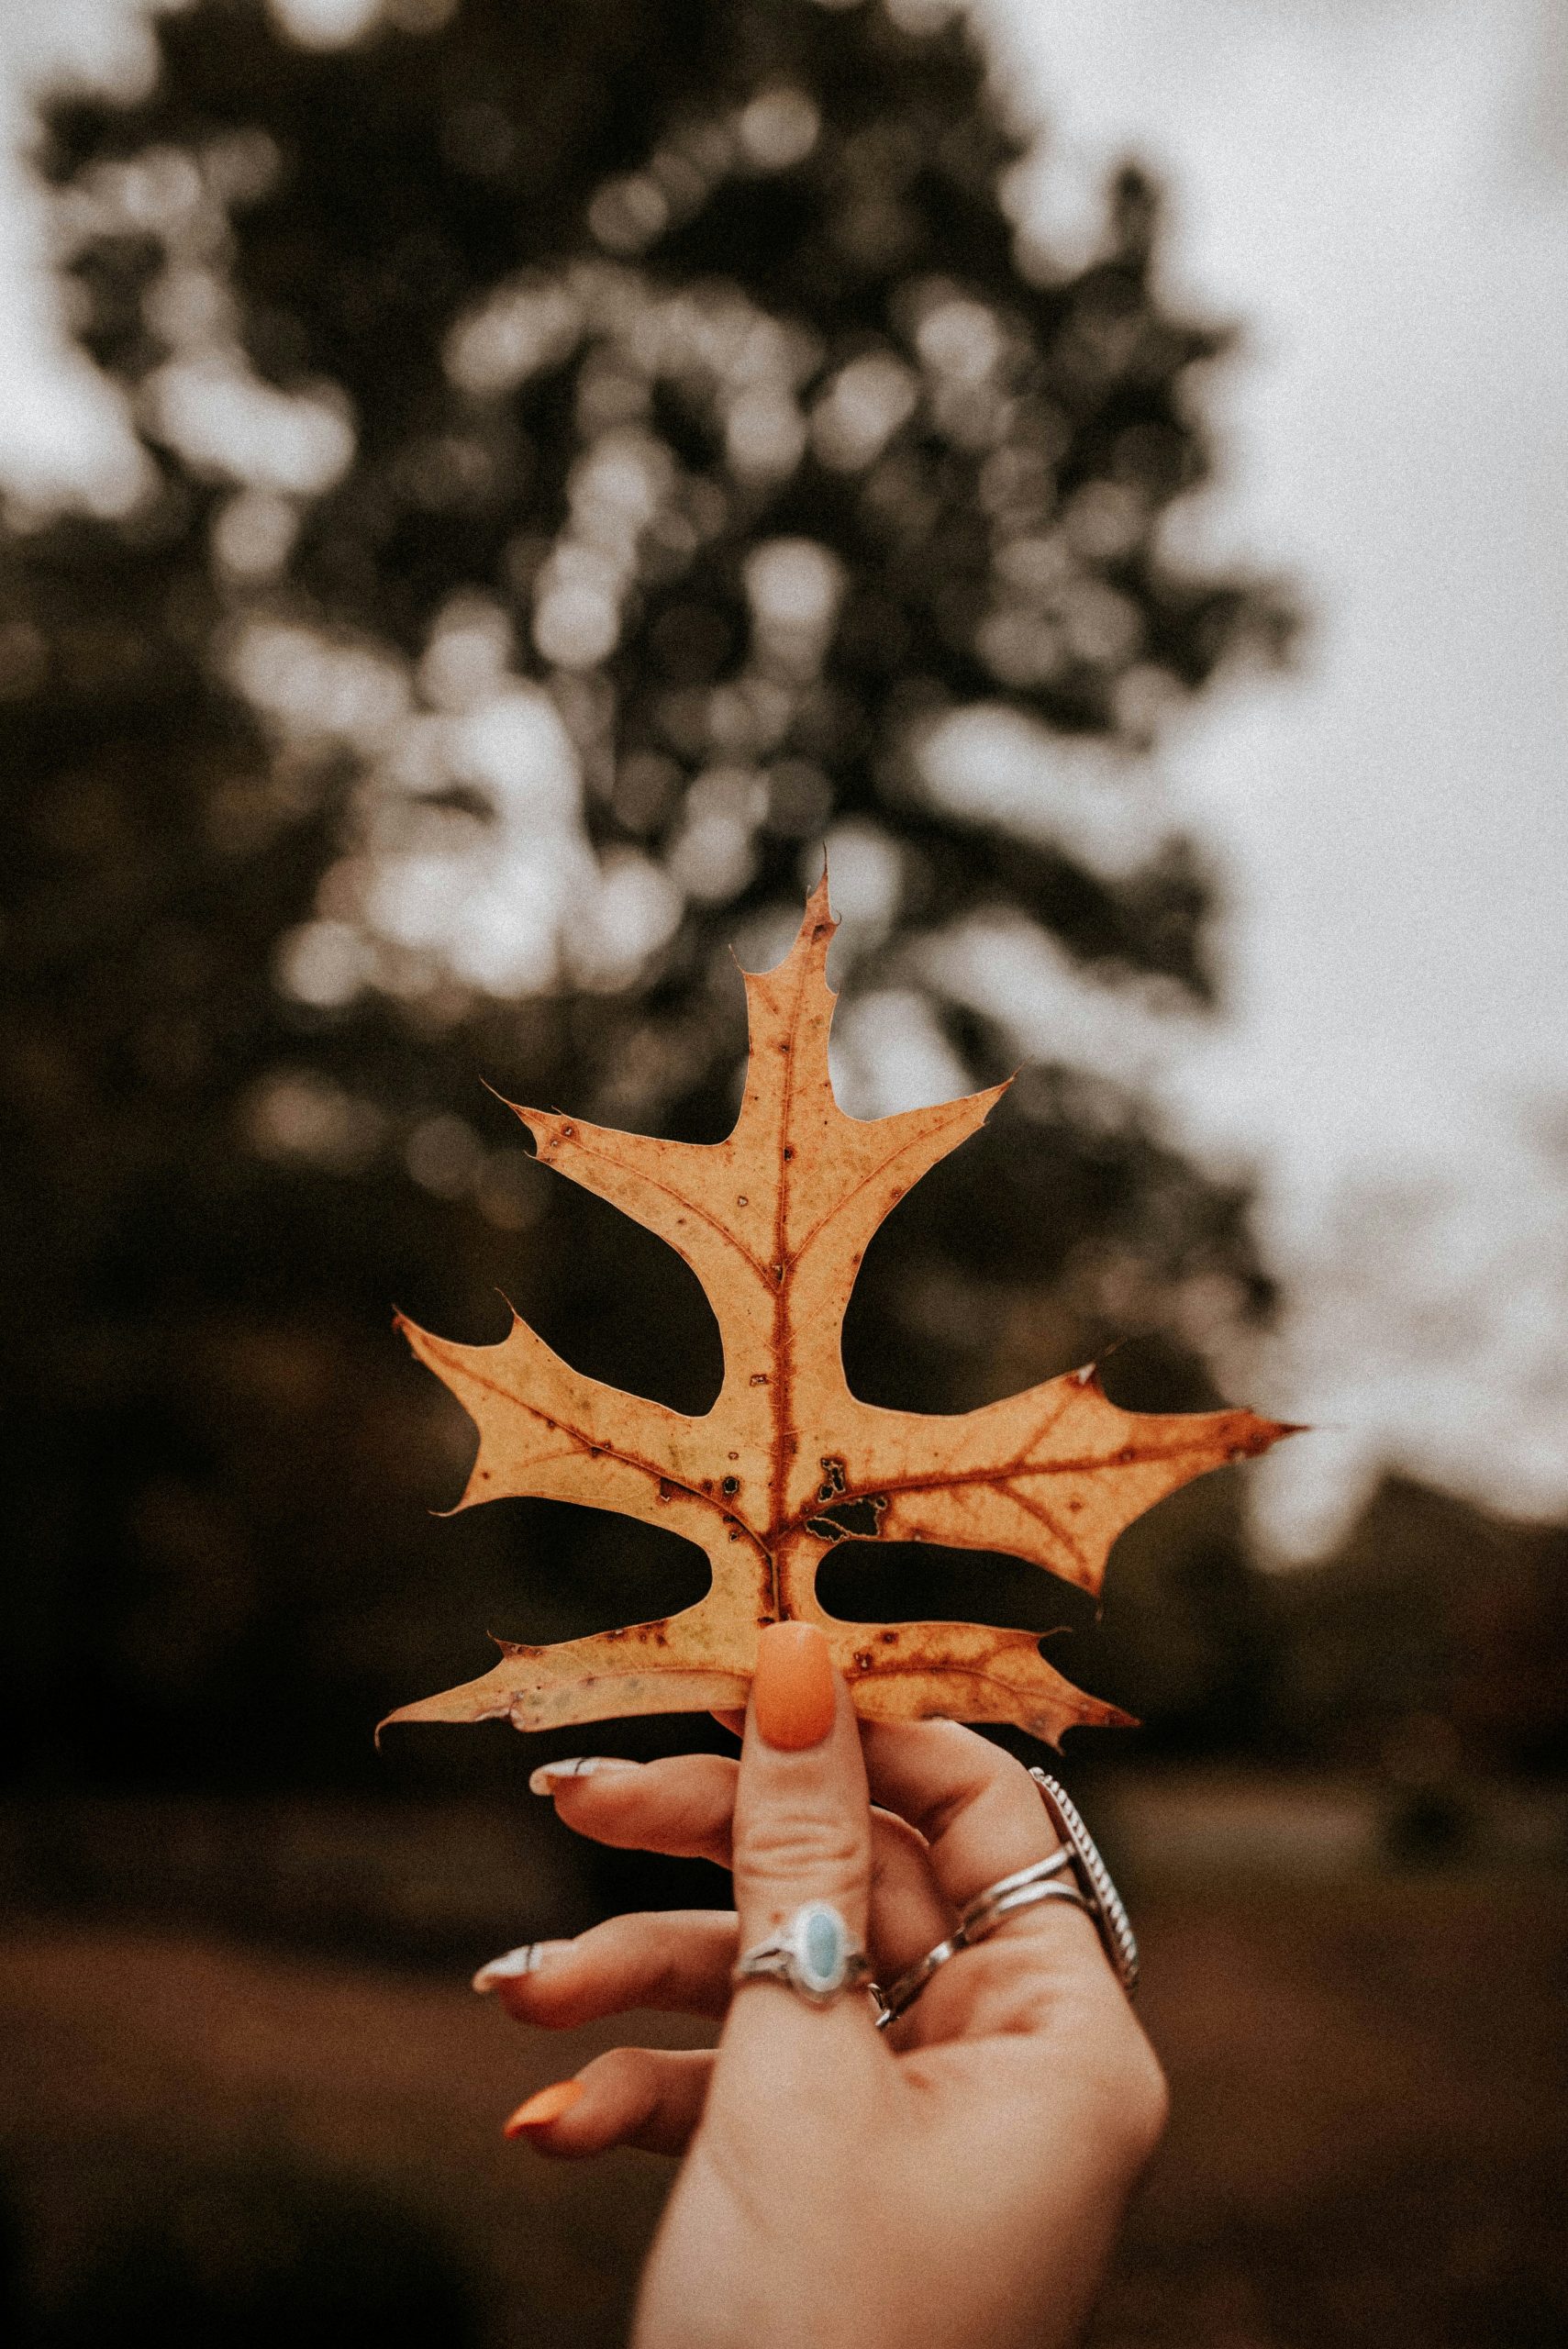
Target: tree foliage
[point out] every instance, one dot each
(592, 453)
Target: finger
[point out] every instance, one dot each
(802, 1834)
(908, 1911)
(677, 1960)
(802, 1827)
(983, 1820)
(650, 2098)
(978, 1810)
(684, 1805)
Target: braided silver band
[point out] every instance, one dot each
(1103, 1901)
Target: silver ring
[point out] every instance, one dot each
(998, 1899)
(909, 1987)
(811, 1955)
(1103, 1901)
(1093, 1892)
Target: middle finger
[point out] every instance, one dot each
(979, 1812)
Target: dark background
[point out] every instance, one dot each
(247, 2087)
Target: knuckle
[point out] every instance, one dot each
(616, 1940)
(1137, 2098)
(786, 1846)
(673, 1970)
(894, 1846)
(623, 2071)
(546, 2008)
(960, 1797)
(1148, 2097)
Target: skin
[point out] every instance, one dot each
(956, 2182)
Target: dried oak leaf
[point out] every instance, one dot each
(775, 1222)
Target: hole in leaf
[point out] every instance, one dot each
(624, 1309)
(575, 1571)
(896, 1582)
(850, 1517)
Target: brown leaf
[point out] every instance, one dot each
(775, 1222)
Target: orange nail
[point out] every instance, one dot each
(794, 1692)
(547, 2106)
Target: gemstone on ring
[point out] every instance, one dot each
(821, 1945)
(812, 1953)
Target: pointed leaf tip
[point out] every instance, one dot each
(818, 918)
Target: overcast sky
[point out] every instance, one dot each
(1377, 190)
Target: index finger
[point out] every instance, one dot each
(984, 1821)
(978, 1810)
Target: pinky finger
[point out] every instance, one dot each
(646, 2096)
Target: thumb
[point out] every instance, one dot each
(802, 1814)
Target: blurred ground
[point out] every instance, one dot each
(1368, 2068)
(1369, 2130)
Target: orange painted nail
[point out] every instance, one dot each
(547, 2106)
(794, 1692)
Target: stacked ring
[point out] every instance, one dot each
(1020, 1890)
(1091, 1890)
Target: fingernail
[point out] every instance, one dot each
(547, 2106)
(795, 1691)
(513, 1963)
(549, 1774)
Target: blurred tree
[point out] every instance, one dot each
(594, 455)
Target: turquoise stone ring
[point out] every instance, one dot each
(812, 1955)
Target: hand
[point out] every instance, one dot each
(954, 2182)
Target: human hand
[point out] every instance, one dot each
(956, 2181)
